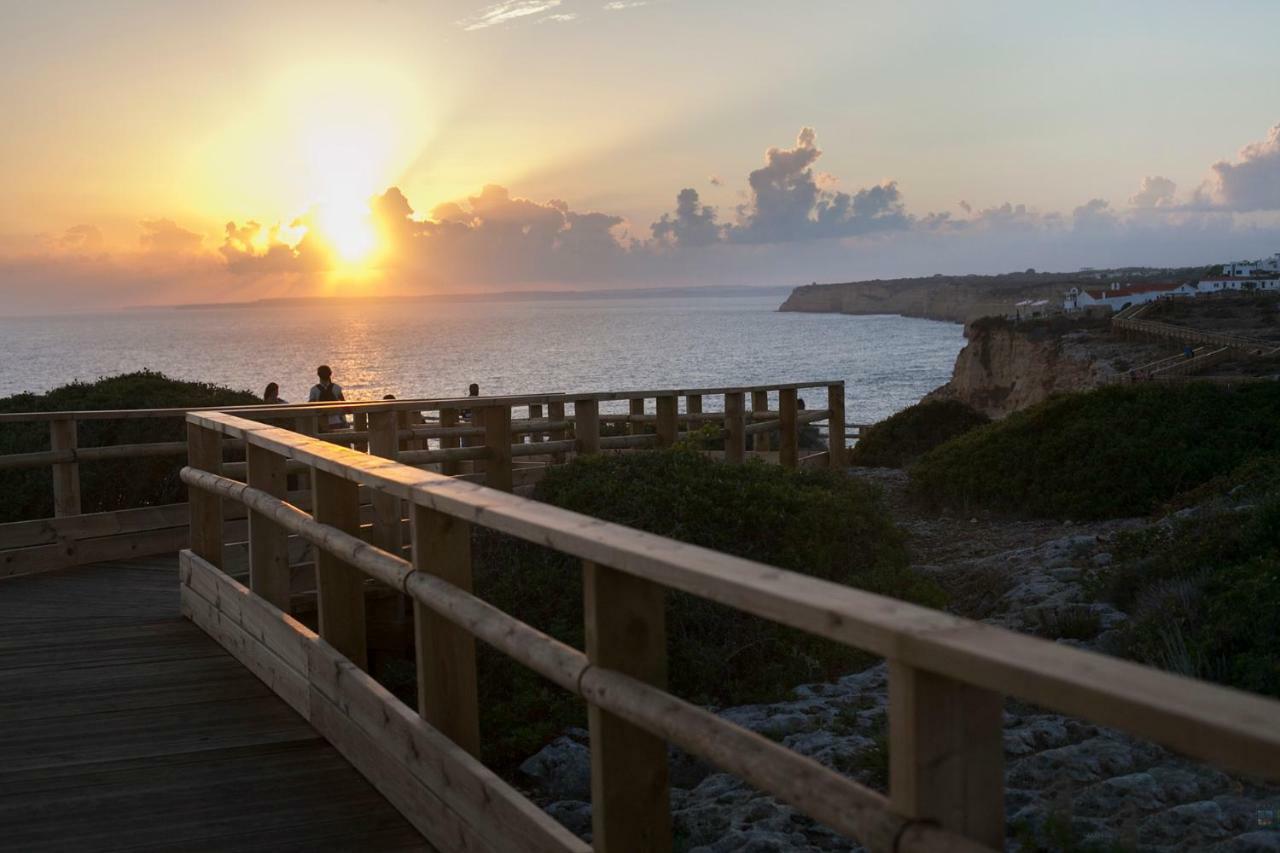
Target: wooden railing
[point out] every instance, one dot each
(1157, 329)
(948, 676)
(504, 441)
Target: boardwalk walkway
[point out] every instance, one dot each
(125, 727)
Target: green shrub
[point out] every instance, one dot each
(902, 438)
(1203, 596)
(109, 484)
(818, 523)
(1119, 451)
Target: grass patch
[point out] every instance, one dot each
(108, 484)
(815, 522)
(1116, 452)
(906, 436)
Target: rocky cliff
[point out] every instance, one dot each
(1004, 367)
(957, 299)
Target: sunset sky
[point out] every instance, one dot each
(160, 152)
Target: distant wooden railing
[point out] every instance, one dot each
(506, 442)
(948, 676)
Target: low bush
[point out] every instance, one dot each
(1115, 452)
(818, 523)
(109, 484)
(1203, 595)
(904, 437)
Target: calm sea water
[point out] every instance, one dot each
(436, 350)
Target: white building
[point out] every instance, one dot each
(1244, 269)
(1221, 283)
(1117, 296)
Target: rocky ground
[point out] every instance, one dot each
(1070, 785)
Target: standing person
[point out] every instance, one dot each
(325, 391)
(272, 394)
(473, 390)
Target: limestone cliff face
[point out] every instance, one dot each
(957, 300)
(1002, 369)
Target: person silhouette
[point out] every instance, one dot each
(326, 391)
(272, 394)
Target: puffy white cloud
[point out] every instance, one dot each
(1253, 181)
(1154, 191)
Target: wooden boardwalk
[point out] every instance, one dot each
(125, 727)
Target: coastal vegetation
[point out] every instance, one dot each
(1116, 452)
(904, 437)
(817, 522)
(108, 484)
(1203, 590)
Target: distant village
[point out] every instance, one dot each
(1239, 276)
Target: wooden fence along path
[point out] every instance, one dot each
(948, 676)
(505, 441)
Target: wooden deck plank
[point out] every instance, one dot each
(123, 726)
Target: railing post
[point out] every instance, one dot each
(497, 438)
(625, 631)
(339, 586)
(204, 452)
(555, 412)
(946, 753)
(835, 425)
(693, 406)
(789, 433)
(446, 654)
(586, 426)
(360, 423)
(268, 541)
(384, 441)
(759, 403)
(668, 427)
(735, 426)
(535, 413)
(635, 407)
(306, 425)
(66, 475)
(449, 418)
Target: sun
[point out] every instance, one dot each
(345, 224)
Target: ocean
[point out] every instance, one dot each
(435, 349)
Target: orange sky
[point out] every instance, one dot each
(947, 139)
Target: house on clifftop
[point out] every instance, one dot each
(1117, 296)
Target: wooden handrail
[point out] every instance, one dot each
(827, 796)
(948, 674)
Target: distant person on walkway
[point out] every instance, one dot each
(1188, 352)
(473, 390)
(328, 391)
(272, 394)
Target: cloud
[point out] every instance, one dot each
(166, 236)
(1253, 181)
(786, 202)
(1095, 214)
(506, 12)
(1154, 191)
(80, 238)
(691, 225)
(619, 5)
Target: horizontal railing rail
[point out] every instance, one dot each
(948, 675)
